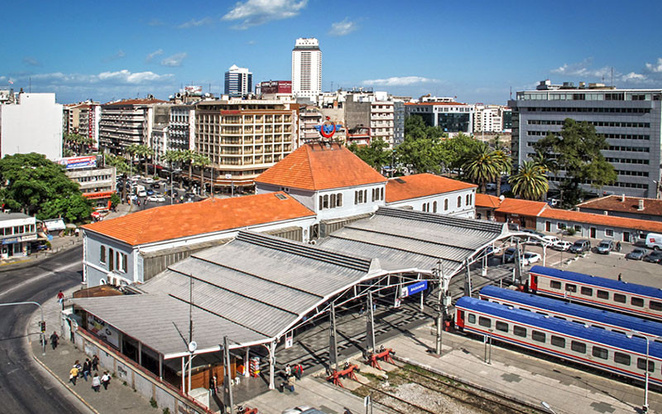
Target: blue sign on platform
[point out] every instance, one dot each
(414, 288)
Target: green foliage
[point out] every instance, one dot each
(166, 410)
(153, 402)
(120, 164)
(115, 200)
(377, 154)
(421, 149)
(73, 208)
(140, 150)
(481, 166)
(576, 152)
(458, 150)
(530, 181)
(75, 144)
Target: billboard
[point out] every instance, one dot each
(72, 163)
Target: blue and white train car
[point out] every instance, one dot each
(601, 349)
(639, 300)
(573, 312)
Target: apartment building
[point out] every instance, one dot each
(306, 68)
(244, 138)
(452, 117)
(629, 119)
(89, 114)
(488, 119)
(127, 122)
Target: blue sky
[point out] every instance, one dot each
(477, 51)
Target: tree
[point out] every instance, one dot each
(482, 166)
(577, 152)
(504, 164)
(377, 154)
(77, 144)
(201, 162)
(457, 150)
(421, 149)
(530, 181)
(187, 157)
(172, 157)
(121, 167)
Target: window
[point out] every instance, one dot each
(471, 318)
(519, 331)
(619, 298)
(587, 291)
(434, 207)
(339, 200)
(599, 352)
(603, 294)
(124, 260)
(459, 201)
(621, 358)
(111, 258)
(102, 255)
(641, 364)
(609, 232)
(569, 287)
(558, 341)
(502, 326)
(446, 205)
(483, 321)
(325, 201)
(538, 336)
(579, 347)
(637, 302)
(656, 306)
(554, 284)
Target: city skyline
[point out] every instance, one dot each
(475, 52)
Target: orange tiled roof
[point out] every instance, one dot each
(135, 102)
(318, 167)
(421, 185)
(521, 207)
(185, 220)
(618, 203)
(602, 219)
(435, 103)
(488, 201)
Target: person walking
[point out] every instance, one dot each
(288, 371)
(95, 363)
(213, 383)
(54, 339)
(620, 277)
(96, 382)
(105, 380)
(86, 368)
(73, 374)
(298, 371)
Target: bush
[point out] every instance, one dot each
(153, 403)
(166, 410)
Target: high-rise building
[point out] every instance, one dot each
(629, 119)
(306, 68)
(128, 122)
(238, 81)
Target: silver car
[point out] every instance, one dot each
(605, 246)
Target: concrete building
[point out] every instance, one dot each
(306, 68)
(629, 119)
(622, 206)
(88, 121)
(488, 119)
(127, 122)
(96, 184)
(432, 194)
(238, 82)
(451, 117)
(274, 89)
(17, 231)
(31, 122)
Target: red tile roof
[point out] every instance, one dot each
(622, 204)
(135, 102)
(421, 185)
(318, 167)
(602, 219)
(190, 219)
(487, 201)
(521, 207)
(435, 103)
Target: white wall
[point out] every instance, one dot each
(466, 210)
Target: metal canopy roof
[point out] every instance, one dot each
(257, 287)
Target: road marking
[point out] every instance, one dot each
(39, 277)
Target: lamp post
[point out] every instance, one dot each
(439, 272)
(647, 368)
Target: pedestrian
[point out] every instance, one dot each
(290, 383)
(105, 380)
(95, 363)
(73, 374)
(620, 277)
(96, 382)
(298, 371)
(60, 298)
(288, 371)
(54, 338)
(213, 382)
(618, 246)
(86, 368)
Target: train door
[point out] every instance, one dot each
(459, 319)
(533, 282)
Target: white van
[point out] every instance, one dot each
(654, 241)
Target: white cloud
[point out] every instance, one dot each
(655, 68)
(343, 28)
(633, 77)
(582, 69)
(154, 54)
(196, 23)
(399, 81)
(31, 61)
(121, 77)
(256, 12)
(174, 60)
(119, 55)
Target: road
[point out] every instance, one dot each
(24, 386)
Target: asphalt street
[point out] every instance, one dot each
(24, 387)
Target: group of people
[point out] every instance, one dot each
(291, 373)
(85, 370)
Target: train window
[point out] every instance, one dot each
(619, 298)
(559, 317)
(541, 313)
(641, 364)
(471, 318)
(569, 287)
(601, 353)
(656, 306)
(558, 341)
(502, 326)
(554, 284)
(599, 327)
(637, 302)
(538, 336)
(519, 331)
(579, 347)
(586, 291)
(621, 358)
(483, 321)
(603, 294)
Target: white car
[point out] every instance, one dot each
(156, 198)
(550, 240)
(148, 180)
(142, 193)
(530, 258)
(562, 245)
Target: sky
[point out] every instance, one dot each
(479, 51)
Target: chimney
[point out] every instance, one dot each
(622, 198)
(641, 205)
(606, 213)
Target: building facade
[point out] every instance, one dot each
(451, 117)
(629, 119)
(306, 68)
(127, 122)
(238, 82)
(17, 231)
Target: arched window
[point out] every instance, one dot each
(459, 201)
(434, 207)
(446, 205)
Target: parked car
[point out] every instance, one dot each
(156, 198)
(530, 258)
(490, 186)
(580, 246)
(550, 240)
(509, 254)
(562, 245)
(156, 185)
(148, 180)
(492, 250)
(654, 257)
(605, 246)
(142, 193)
(532, 240)
(302, 409)
(636, 254)
(654, 241)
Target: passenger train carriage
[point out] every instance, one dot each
(573, 312)
(643, 301)
(607, 351)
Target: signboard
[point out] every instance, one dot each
(414, 288)
(72, 163)
(289, 340)
(103, 330)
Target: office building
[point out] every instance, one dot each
(238, 82)
(629, 119)
(452, 117)
(306, 68)
(127, 122)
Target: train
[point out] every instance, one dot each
(618, 296)
(585, 315)
(604, 350)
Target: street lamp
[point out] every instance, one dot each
(630, 335)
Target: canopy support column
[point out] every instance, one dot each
(227, 379)
(467, 281)
(333, 343)
(272, 365)
(246, 362)
(370, 325)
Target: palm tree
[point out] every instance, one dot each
(132, 150)
(481, 166)
(187, 157)
(530, 181)
(504, 164)
(201, 162)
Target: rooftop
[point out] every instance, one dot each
(421, 185)
(522, 207)
(603, 220)
(624, 204)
